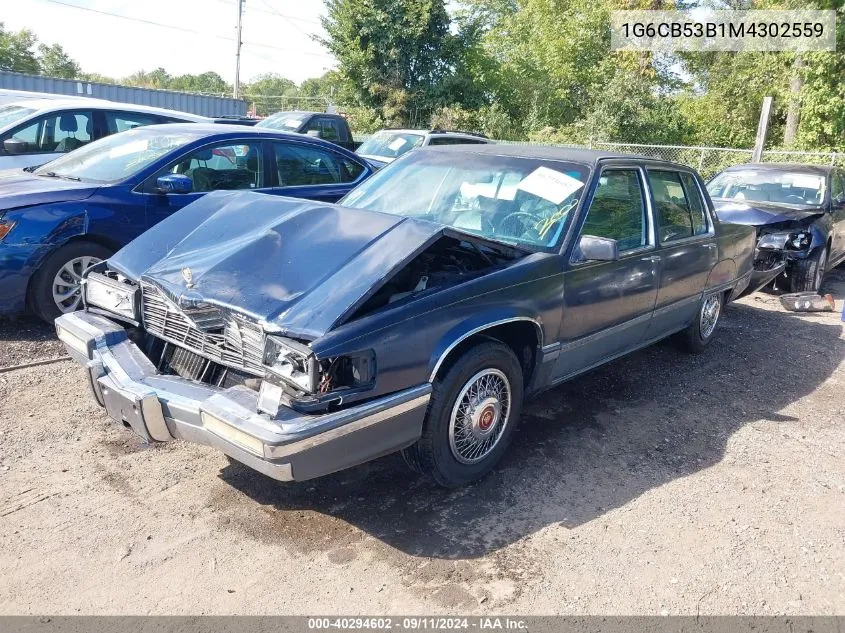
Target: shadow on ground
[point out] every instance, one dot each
(589, 446)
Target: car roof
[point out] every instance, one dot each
(550, 152)
(792, 167)
(52, 104)
(232, 129)
(422, 132)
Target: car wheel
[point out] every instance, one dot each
(474, 409)
(56, 286)
(807, 274)
(700, 332)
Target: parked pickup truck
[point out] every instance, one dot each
(329, 127)
(416, 314)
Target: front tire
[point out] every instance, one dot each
(55, 288)
(474, 409)
(807, 274)
(700, 332)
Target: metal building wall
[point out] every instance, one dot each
(182, 101)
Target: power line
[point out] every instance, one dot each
(272, 11)
(182, 29)
(285, 18)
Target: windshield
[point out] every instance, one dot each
(10, 114)
(285, 121)
(766, 185)
(390, 145)
(116, 157)
(522, 201)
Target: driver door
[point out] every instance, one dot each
(607, 305)
(229, 165)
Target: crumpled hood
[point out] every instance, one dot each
(19, 188)
(297, 265)
(760, 213)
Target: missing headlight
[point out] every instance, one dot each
(293, 362)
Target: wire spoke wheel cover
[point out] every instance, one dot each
(67, 291)
(480, 415)
(710, 315)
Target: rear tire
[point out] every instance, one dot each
(700, 332)
(59, 275)
(806, 275)
(474, 409)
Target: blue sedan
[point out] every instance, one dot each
(73, 212)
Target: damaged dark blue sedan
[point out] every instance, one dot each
(301, 338)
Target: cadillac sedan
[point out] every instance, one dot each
(417, 314)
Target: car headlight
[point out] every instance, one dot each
(5, 227)
(794, 241)
(293, 362)
(113, 295)
(800, 240)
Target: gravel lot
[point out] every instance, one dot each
(661, 483)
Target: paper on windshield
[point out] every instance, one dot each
(807, 182)
(550, 185)
(397, 144)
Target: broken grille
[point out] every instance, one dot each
(225, 338)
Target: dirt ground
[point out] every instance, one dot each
(660, 483)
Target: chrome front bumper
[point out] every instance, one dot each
(290, 446)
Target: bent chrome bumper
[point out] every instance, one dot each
(290, 446)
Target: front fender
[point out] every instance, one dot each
(476, 324)
(47, 224)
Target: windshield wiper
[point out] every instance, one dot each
(52, 174)
(31, 168)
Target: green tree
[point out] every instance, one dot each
(205, 83)
(17, 51)
(55, 62)
(397, 55)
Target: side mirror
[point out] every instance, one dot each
(174, 183)
(14, 146)
(314, 133)
(597, 249)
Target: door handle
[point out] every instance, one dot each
(653, 258)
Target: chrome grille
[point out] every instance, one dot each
(232, 341)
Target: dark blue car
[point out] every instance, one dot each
(57, 220)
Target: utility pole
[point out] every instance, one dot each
(237, 91)
(762, 130)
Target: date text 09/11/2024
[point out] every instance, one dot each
(418, 623)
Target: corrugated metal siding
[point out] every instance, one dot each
(183, 101)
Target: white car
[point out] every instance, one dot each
(35, 131)
(385, 146)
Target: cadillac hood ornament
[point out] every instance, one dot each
(188, 276)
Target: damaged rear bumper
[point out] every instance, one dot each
(289, 446)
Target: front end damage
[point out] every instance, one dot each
(185, 366)
(194, 400)
(779, 247)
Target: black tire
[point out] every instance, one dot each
(41, 300)
(433, 454)
(698, 335)
(806, 275)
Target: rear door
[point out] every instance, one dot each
(119, 121)
(225, 165)
(608, 305)
(686, 245)
(308, 171)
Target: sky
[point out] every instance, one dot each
(275, 35)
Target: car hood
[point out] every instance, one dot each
(20, 189)
(760, 213)
(297, 266)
